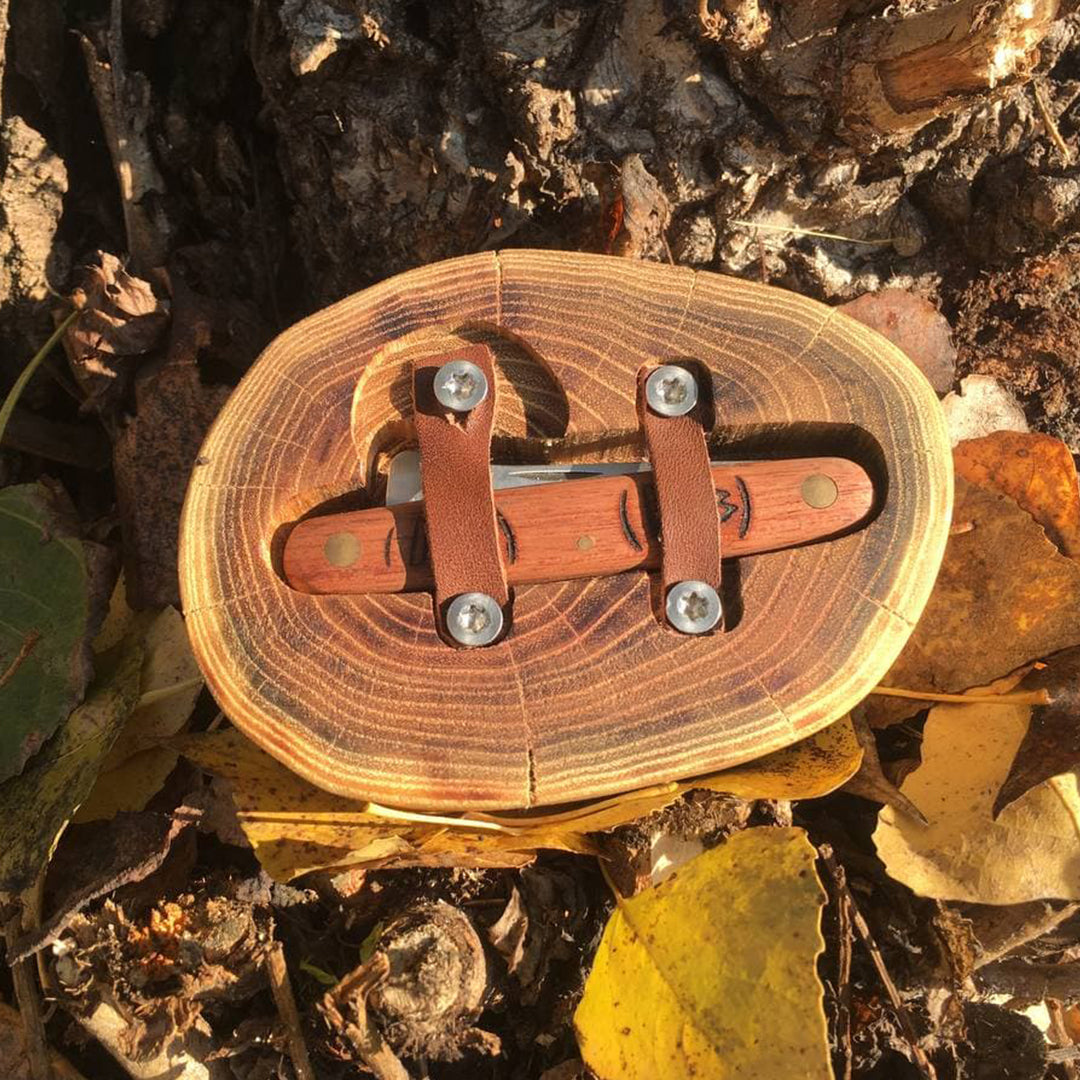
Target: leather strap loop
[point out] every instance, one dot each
(455, 471)
(686, 498)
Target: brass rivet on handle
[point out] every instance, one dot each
(819, 491)
(341, 549)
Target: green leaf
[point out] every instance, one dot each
(713, 972)
(44, 622)
(36, 805)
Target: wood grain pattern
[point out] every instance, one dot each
(590, 693)
(579, 529)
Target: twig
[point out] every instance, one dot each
(365, 812)
(861, 925)
(1012, 927)
(163, 693)
(27, 372)
(1060, 1033)
(798, 231)
(26, 994)
(1051, 124)
(1026, 697)
(1033, 982)
(124, 106)
(843, 989)
(366, 1038)
(63, 1069)
(290, 1015)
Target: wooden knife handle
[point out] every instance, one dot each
(582, 528)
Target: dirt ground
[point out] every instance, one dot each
(255, 160)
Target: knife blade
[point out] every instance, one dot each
(403, 478)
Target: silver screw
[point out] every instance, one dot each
(474, 618)
(693, 607)
(671, 390)
(460, 385)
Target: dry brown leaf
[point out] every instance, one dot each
(122, 319)
(1004, 596)
(1051, 744)
(153, 458)
(981, 406)
(870, 782)
(1037, 471)
(914, 325)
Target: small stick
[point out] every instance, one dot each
(843, 990)
(366, 1038)
(1026, 697)
(861, 925)
(798, 231)
(1051, 124)
(281, 988)
(1033, 982)
(1036, 919)
(8, 407)
(1061, 1035)
(26, 994)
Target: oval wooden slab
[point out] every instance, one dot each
(590, 694)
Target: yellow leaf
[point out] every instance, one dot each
(169, 683)
(713, 972)
(805, 770)
(296, 827)
(36, 805)
(1028, 853)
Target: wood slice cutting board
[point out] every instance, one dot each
(590, 693)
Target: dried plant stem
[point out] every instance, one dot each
(1026, 697)
(370, 814)
(27, 372)
(350, 997)
(863, 928)
(797, 230)
(281, 988)
(29, 1001)
(151, 697)
(1051, 124)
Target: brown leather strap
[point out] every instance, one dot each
(686, 497)
(455, 471)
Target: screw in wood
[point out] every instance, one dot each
(671, 390)
(474, 619)
(693, 607)
(460, 385)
